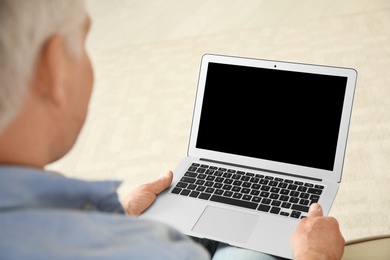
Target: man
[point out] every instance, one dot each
(46, 83)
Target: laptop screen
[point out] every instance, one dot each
(271, 114)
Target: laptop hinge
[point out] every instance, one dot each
(264, 170)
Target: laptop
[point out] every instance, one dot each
(268, 139)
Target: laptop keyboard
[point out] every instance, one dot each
(281, 196)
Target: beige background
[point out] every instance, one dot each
(146, 56)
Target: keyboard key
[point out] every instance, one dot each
(300, 208)
(194, 194)
(247, 197)
(192, 169)
(204, 166)
(236, 176)
(302, 189)
(314, 198)
(202, 176)
(304, 195)
(217, 185)
(204, 196)
(236, 189)
(263, 181)
(235, 202)
(284, 192)
(246, 184)
(227, 175)
(314, 191)
(210, 178)
(237, 183)
(284, 198)
(191, 174)
(256, 199)
(218, 192)
(191, 186)
(283, 185)
(255, 186)
(188, 180)
(245, 190)
(228, 181)
(264, 208)
(266, 201)
(275, 210)
(209, 190)
(209, 184)
(219, 179)
(292, 187)
(295, 214)
(265, 188)
(264, 194)
(200, 170)
(237, 195)
(200, 188)
(227, 193)
(284, 214)
(218, 173)
(304, 202)
(227, 187)
(176, 190)
(319, 187)
(181, 185)
(185, 192)
(210, 172)
(245, 178)
(199, 182)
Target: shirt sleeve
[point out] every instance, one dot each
(69, 234)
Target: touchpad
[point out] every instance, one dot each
(226, 224)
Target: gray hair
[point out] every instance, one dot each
(25, 26)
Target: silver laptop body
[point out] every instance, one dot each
(279, 129)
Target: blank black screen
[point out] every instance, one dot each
(276, 115)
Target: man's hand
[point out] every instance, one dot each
(143, 196)
(317, 237)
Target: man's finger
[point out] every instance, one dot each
(315, 210)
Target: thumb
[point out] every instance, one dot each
(162, 183)
(315, 210)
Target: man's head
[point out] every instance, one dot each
(46, 76)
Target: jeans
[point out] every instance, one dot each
(222, 251)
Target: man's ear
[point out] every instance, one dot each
(49, 81)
